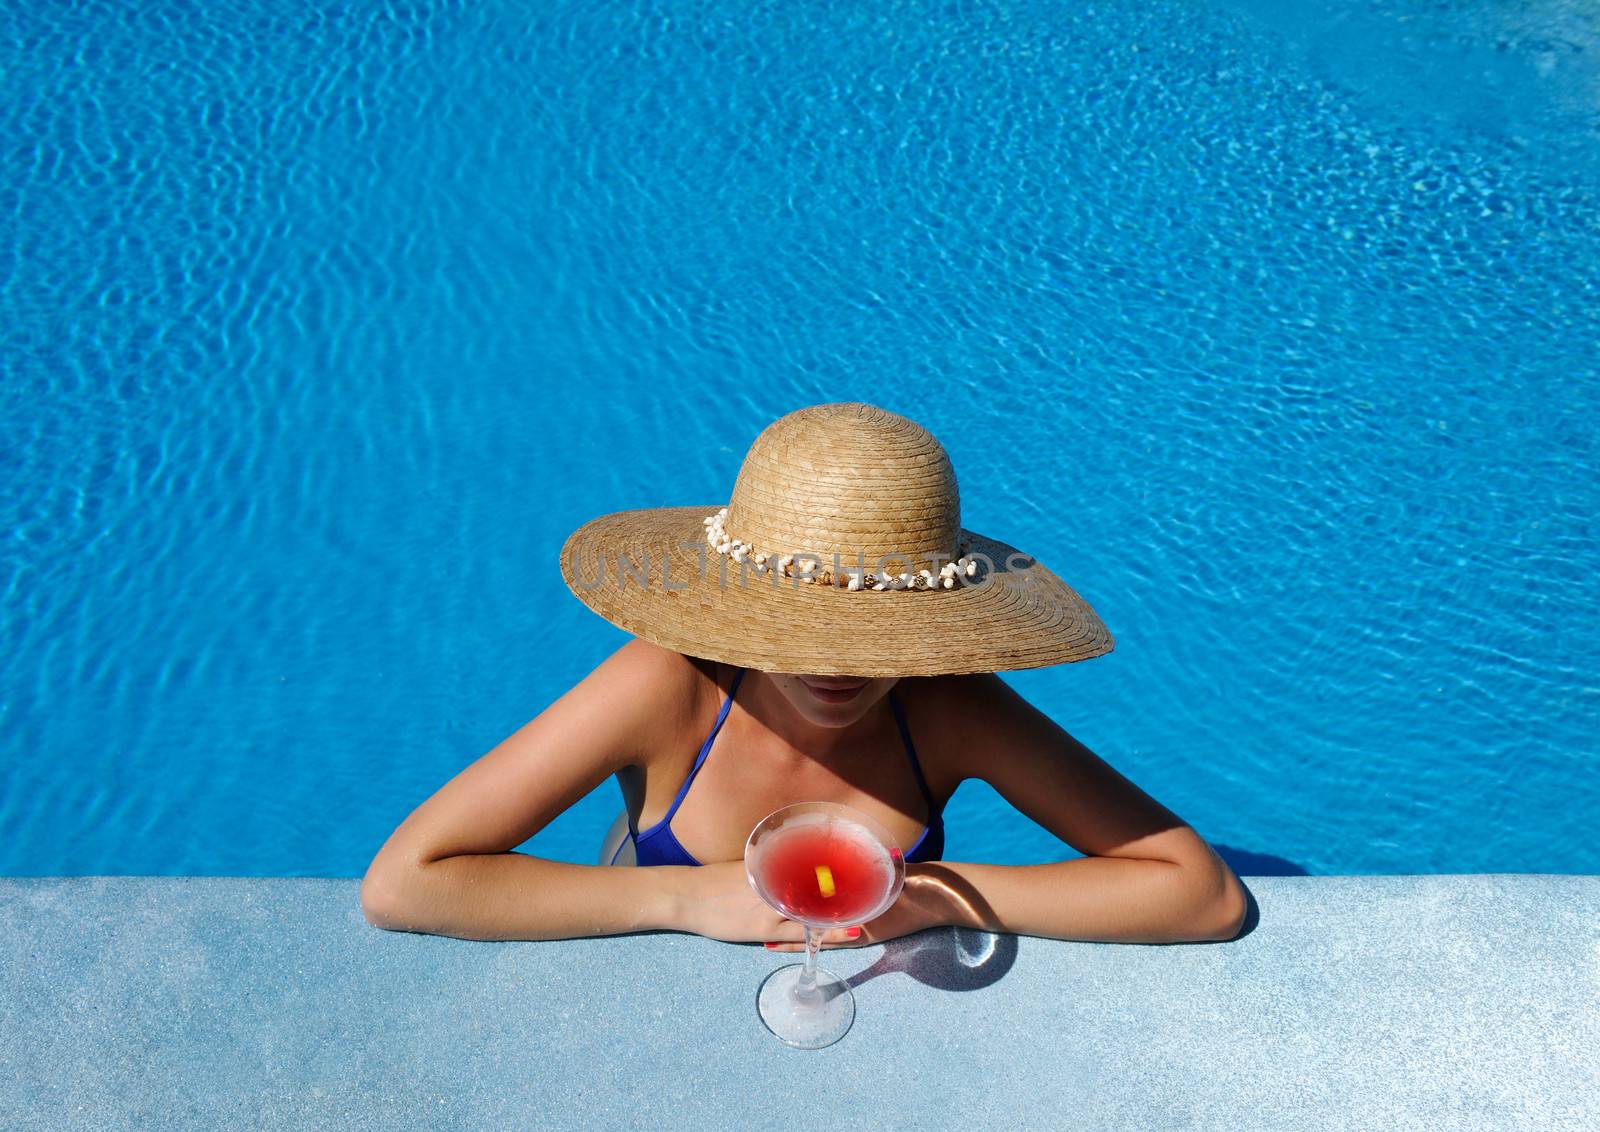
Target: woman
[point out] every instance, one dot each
(840, 554)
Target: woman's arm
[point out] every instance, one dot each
(449, 869)
(1145, 877)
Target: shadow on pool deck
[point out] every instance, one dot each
(952, 959)
(966, 959)
(1248, 864)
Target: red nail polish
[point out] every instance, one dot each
(854, 933)
(769, 946)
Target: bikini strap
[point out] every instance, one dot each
(911, 752)
(705, 749)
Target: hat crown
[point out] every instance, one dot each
(852, 480)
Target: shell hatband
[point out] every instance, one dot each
(808, 567)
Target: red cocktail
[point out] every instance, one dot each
(828, 874)
(823, 865)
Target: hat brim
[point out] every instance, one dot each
(652, 574)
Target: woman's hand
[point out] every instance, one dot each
(719, 903)
(920, 905)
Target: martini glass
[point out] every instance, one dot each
(824, 866)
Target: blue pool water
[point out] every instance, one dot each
(1275, 335)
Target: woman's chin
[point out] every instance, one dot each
(834, 693)
(832, 701)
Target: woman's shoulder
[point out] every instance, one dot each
(946, 716)
(670, 693)
(957, 703)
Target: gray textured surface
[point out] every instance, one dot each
(1376, 1002)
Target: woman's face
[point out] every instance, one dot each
(833, 701)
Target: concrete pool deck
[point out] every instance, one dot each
(1350, 1002)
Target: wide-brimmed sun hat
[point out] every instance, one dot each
(840, 553)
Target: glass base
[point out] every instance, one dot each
(806, 1024)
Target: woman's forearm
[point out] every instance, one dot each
(515, 896)
(1110, 899)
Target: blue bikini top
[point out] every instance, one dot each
(657, 845)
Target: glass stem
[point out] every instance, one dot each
(805, 987)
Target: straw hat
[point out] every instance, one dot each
(841, 553)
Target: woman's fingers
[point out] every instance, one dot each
(835, 937)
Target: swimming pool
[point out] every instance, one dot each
(323, 330)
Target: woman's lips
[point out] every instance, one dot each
(834, 691)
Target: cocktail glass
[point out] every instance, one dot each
(823, 865)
